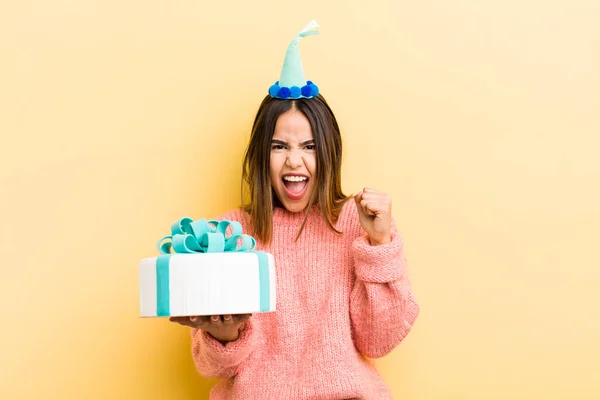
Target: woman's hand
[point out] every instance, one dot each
(375, 213)
(224, 328)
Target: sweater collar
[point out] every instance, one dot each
(281, 214)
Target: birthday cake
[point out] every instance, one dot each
(206, 268)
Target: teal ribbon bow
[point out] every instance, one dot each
(202, 236)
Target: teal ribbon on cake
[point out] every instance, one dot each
(202, 236)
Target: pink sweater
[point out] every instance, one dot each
(339, 300)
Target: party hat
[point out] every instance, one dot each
(292, 83)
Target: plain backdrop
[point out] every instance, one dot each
(479, 118)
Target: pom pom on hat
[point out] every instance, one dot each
(310, 90)
(283, 93)
(273, 90)
(295, 92)
(306, 92)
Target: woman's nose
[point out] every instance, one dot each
(294, 160)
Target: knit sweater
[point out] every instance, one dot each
(339, 301)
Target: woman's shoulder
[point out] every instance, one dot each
(349, 208)
(348, 217)
(235, 214)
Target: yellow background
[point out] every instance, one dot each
(481, 119)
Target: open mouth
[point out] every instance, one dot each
(295, 186)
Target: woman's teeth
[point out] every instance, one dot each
(294, 178)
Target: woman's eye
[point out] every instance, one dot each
(277, 147)
(310, 147)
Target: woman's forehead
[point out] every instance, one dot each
(292, 137)
(293, 127)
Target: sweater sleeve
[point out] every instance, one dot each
(382, 306)
(213, 359)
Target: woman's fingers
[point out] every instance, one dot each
(179, 320)
(230, 319)
(242, 317)
(195, 321)
(199, 320)
(215, 321)
(212, 322)
(183, 321)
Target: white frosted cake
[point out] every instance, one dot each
(209, 273)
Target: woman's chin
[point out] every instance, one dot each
(295, 207)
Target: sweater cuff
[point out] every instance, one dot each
(231, 353)
(379, 264)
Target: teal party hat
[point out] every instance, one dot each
(292, 83)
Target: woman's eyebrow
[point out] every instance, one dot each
(277, 141)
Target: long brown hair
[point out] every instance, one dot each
(256, 167)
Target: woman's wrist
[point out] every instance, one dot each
(378, 242)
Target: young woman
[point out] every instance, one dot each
(343, 293)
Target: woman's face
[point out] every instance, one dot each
(293, 161)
